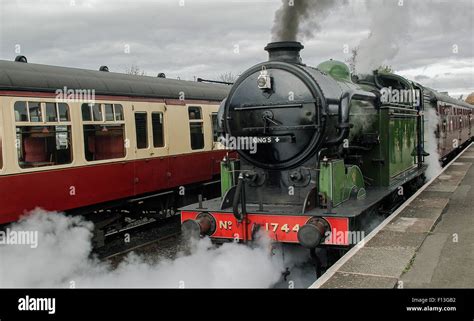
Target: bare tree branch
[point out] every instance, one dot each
(353, 60)
(135, 70)
(227, 77)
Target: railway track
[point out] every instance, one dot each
(142, 246)
(139, 239)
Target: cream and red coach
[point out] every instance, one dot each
(143, 138)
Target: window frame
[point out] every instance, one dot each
(162, 113)
(197, 121)
(147, 133)
(43, 123)
(215, 138)
(104, 123)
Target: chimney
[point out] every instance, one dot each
(286, 51)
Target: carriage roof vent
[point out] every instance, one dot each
(104, 68)
(21, 59)
(161, 75)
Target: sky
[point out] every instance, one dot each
(206, 38)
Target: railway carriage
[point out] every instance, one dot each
(83, 141)
(455, 122)
(333, 158)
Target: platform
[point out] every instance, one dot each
(426, 243)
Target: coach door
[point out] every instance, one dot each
(150, 147)
(142, 149)
(159, 146)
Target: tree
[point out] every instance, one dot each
(135, 70)
(470, 99)
(227, 77)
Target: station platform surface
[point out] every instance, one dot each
(426, 243)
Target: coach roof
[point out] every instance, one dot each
(44, 78)
(442, 97)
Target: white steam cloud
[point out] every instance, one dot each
(388, 31)
(431, 143)
(393, 25)
(63, 259)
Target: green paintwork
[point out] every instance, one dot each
(398, 139)
(402, 142)
(397, 127)
(228, 169)
(366, 120)
(338, 182)
(336, 69)
(354, 182)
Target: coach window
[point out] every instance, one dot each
(42, 142)
(21, 111)
(141, 129)
(1, 149)
(34, 109)
(158, 132)
(97, 112)
(196, 127)
(103, 138)
(86, 112)
(63, 112)
(118, 109)
(51, 112)
(109, 112)
(215, 128)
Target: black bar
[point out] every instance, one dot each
(277, 304)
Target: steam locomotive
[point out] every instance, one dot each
(334, 152)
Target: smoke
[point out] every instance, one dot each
(301, 18)
(388, 31)
(63, 259)
(394, 24)
(431, 143)
(302, 272)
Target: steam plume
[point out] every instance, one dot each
(431, 143)
(63, 259)
(394, 24)
(388, 31)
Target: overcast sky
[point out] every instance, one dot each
(205, 38)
